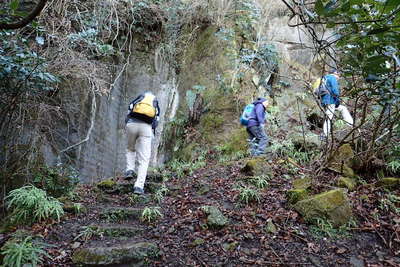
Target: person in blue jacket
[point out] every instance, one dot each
(256, 128)
(331, 102)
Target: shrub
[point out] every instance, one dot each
(57, 181)
(30, 204)
(20, 251)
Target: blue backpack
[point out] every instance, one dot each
(248, 109)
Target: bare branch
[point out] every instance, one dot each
(25, 21)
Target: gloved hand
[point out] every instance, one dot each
(154, 124)
(337, 102)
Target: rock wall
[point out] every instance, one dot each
(103, 155)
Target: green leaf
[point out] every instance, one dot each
(392, 3)
(378, 30)
(319, 7)
(14, 5)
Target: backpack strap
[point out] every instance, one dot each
(136, 100)
(155, 104)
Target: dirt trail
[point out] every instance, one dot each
(264, 233)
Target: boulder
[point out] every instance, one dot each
(295, 195)
(341, 161)
(303, 183)
(389, 182)
(309, 141)
(107, 184)
(135, 252)
(215, 217)
(346, 182)
(332, 205)
(256, 167)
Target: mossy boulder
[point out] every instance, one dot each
(389, 182)
(257, 167)
(303, 183)
(341, 161)
(346, 182)
(135, 252)
(307, 141)
(235, 142)
(332, 205)
(107, 184)
(295, 195)
(215, 217)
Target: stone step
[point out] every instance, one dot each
(117, 214)
(113, 187)
(130, 252)
(117, 230)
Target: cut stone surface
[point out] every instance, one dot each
(128, 253)
(346, 182)
(118, 230)
(332, 205)
(120, 213)
(215, 217)
(295, 195)
(125, 187)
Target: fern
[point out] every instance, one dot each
(30, 204)
(19, 253)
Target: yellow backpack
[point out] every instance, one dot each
(145, 106)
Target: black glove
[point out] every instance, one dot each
(337, 102)
(154, 124)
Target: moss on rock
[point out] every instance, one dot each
(346, 182)
(303, 183)
(235, 142)
(332, 205)
(215, 217)
(107, 184)
(295, 195)
(389, 182)
(256, 167)
(115, 255)
(341, 161)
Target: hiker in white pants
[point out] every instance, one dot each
(141, 122)
(331, 102)
(330, 112)
(139, 136)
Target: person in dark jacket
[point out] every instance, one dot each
(256, 128)
(331, 102)
(141, 122)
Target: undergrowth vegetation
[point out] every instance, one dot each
(22, 250)
(29, 205)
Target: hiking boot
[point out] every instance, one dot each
(130, 174)
(138, 191)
